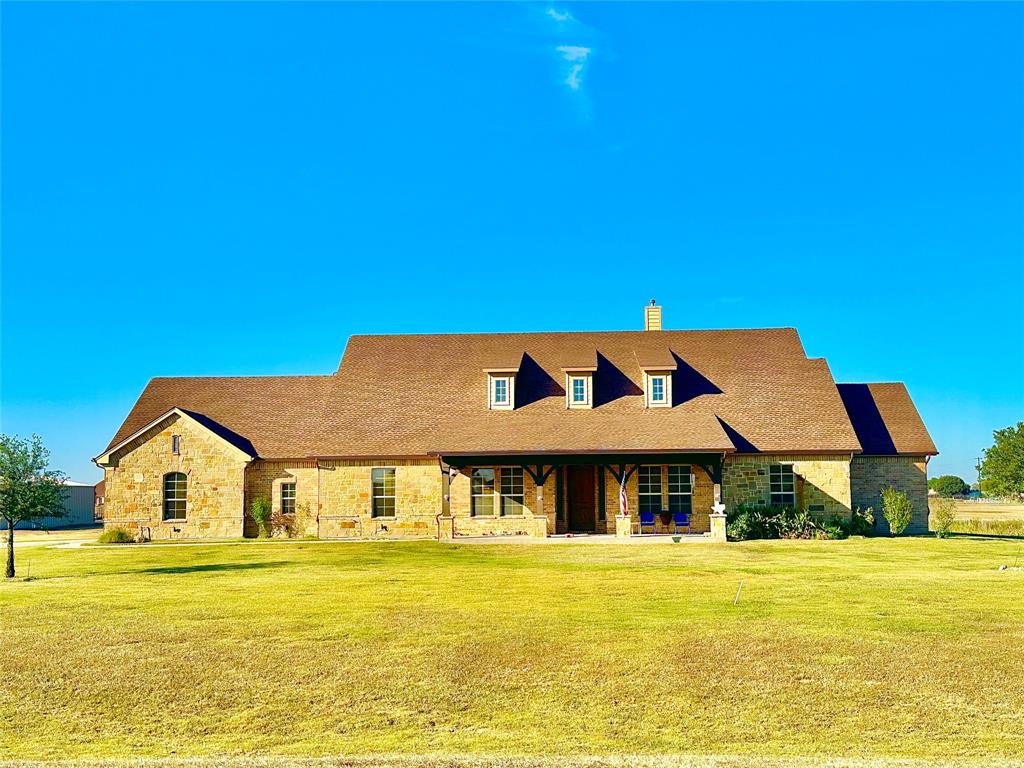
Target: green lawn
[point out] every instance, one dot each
(867, 648)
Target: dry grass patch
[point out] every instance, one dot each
(985, 517)
(630, 761)
(875, 648)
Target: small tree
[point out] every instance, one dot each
(260, 510)
(948, 485)
(897, 510)
(29, 489)
(944, 517)
(1002, 468)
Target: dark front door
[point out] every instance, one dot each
(582, 515)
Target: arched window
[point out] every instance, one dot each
(175, 491)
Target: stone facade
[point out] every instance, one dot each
(334, 498)
(215, 471)
(539, 516)
(822, 482)
(703, 497)
(870, 474)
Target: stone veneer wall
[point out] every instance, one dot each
(820, 479)
(870, 474)
(703, 499)
(533, 522)
(346, 499)
(265, 478)
(214, 496)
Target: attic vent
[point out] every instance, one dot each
(652, 317)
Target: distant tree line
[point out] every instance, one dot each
(1002, 466)
(948, 485)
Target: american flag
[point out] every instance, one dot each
(623, 500)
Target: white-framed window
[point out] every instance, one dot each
(579, 389)
(512, 493)
(782, 485)
(382, 481)
(482, 492)
(657, 389)
(175, 495)
(176, 445)
(501, 392)
(649, 487)
(287, 498)
(680, 489)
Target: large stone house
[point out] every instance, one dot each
(516, 434)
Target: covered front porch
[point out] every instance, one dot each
(578, 495)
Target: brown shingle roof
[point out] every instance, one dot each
(885, 419)
(425, 394)
(581, 360)
(415, 395)
(278, 415)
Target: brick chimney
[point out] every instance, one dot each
(652, 317)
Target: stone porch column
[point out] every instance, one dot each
(718, 516)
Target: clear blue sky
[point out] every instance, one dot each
(200, 189)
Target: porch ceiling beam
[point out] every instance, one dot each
(534, 462)
(538, 473)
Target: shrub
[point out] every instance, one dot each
(862, 522)
(260, 511)
(116, 536)
(746, 522)
(835, 528)
(943, 517)
(948, 485)
(288, 526)
(797, 524)
(897, 510)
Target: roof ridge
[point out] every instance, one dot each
(247, 377)
(652, 334)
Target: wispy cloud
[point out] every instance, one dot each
(574, 44)
(576, 55)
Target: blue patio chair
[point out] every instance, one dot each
(681, 520)
(647, 520)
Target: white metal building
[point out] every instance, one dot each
(79, 506)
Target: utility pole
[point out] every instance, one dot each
(977, 466)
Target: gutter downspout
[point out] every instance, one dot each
(446, 491)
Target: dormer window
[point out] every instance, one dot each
(501, 385)
(578, 390)
(579, 379)
(657, 366)
(501, 391)
(657, 389)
